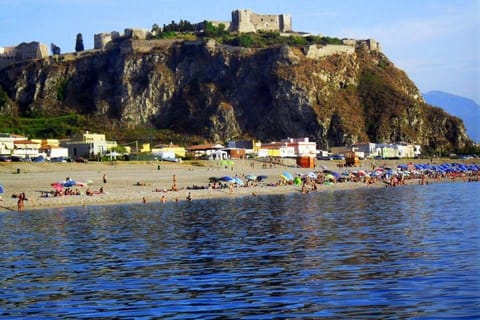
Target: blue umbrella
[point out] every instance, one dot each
(336, 175)
(69, 183)
(238, 181)
(1, 189)
(287, 176)
(227, 179)
(261, 178)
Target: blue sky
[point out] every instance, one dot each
(437, 43)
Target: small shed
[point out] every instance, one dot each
(235, 153)
(306, 162)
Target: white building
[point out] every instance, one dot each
(26, 149)
(300, 147)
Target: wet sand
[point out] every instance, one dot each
(135, 182)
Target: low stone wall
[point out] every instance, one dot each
(318, 51)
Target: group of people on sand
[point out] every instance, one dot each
(90, 192)
(66, 192)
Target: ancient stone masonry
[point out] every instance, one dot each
(24, 51)
(317, 51)
(101, 40)
(370, 44)
(248, 21)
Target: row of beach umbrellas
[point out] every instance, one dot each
(237, 180)
(444, 167)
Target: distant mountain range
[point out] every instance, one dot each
(463, 108)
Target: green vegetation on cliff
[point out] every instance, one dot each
(44, 127)
(262, 39)
(188, 92)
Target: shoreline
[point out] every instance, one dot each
(132, 182)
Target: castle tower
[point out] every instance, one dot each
(248, 21)
(285, 23)
(241, 21)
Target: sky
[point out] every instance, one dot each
(437, 43)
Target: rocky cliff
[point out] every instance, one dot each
(222, 92)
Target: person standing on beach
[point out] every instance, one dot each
(174, 186)
(20, 201)
(104, 178)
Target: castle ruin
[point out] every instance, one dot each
(24, 51)
(248, 21)
(100, 40)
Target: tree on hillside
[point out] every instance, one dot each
(54, 48)
(79, 43)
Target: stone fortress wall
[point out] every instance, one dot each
(248, 21)
(24, 51)
(315, 51)
(100, 40)
(242, 21)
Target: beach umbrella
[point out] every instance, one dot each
(250, 177)
(261, 178)
(361, 173)
(227, 179)
(69, 183)
(312, 175)
(238, 181)
(329, 176)
(287, 176)
(226, 163)
(57, 185)
(336, 175)
(1, 189)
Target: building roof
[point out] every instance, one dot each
(23, 142)
(201, 147)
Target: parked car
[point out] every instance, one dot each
(38, 159)
(59, 159)
(5, 159)
(338, 157)
(18, 159)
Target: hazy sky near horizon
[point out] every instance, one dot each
(437, 43)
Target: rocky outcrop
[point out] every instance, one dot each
(222, 92)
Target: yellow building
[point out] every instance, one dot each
(178, 151)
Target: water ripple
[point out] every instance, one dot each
(393, 253)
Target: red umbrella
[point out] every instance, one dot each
(57, 185)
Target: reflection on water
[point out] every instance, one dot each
(409, 252)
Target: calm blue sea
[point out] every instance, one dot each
(395, 253)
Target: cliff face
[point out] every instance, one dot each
(223, 93)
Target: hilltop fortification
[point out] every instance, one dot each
(24, 51)
(249, 21)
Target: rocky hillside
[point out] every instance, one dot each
(223, 92)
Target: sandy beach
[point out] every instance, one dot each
(135, 182)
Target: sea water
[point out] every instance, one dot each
(404, 252)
